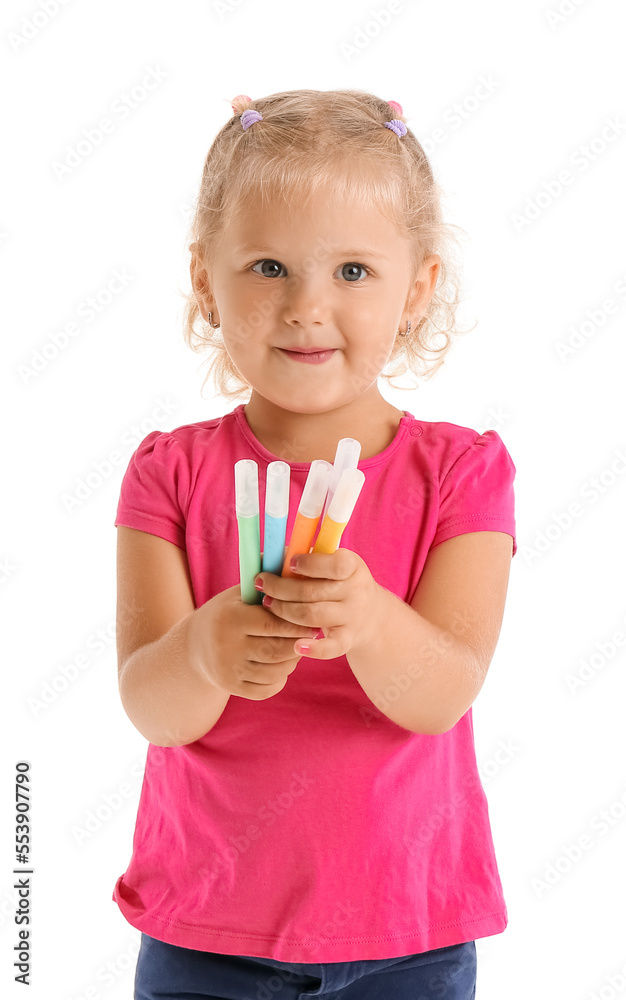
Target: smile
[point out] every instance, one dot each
(316, 358)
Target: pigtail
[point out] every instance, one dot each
(398, 113)
(241, 103)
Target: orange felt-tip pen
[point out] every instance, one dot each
(309, 511)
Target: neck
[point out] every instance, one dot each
(304, 437)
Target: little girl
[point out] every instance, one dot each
(311, 820)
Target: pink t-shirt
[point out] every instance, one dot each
(309, 827)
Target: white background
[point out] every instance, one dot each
(126, 207)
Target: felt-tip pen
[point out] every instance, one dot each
(346, 457)
(340, 510)
(276, 511)
(309, 511)
(247, 504)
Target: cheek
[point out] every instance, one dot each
(253, 313)
(370, 349)
(243, 325)
(237, 339)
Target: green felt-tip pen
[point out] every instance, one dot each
(247, 505)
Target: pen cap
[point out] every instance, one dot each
(316, 488)
(346, 495)
(277, 489)
(246, 487)
(346, 457)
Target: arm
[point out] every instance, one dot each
(424, 663)
(162, 689)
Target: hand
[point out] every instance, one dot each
(335, 592)
(243, 648)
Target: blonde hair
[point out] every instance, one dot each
(308, 138)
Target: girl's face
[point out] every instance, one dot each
(330, 276)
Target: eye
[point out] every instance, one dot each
(269, 261)
(354, 267)
(348, 270)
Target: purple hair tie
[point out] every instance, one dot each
(396, 126)
(249, 117)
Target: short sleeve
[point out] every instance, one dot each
(477, 491)
(155, 487)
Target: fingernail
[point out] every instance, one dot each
(266, 601)
(293, 563)
(304, 648)
(258, 584)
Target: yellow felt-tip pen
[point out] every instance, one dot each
(340, 510)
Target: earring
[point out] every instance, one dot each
(408, 328)
(211, 322)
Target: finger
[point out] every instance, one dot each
(337, 643)
(337, 565)
(312, 615)
(268, 624)
(302, 590)
(272, 650)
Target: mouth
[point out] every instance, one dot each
(312, 356)
(307, 350)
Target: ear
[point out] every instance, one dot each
(425, 284)
(197, 272)
(199, 281)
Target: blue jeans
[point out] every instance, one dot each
(167, 972)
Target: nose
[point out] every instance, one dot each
(306, 299)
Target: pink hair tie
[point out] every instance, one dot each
(396, 126)
(398, 107)
(249, 117)
(240, 97)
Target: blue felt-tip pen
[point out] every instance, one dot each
(276, 510)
